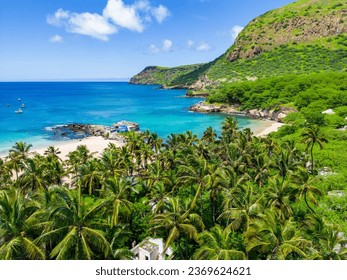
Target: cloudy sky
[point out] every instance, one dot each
(106, 39)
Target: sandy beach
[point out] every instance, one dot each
(95, 144)
(267, 128)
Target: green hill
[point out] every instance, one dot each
(303, 37)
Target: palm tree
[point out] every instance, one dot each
(155, 142)
(89, 176)
(261, 165)
(305, 187)
(74, 230)
(178, 221)
(279, 196)
(5, 173)
(240, 206)
(17, 155)
(277, 239)
(312, 136)
(110, 163)
(33, 176)
(332, 244)
(53, 153)
(209, 135)
(270, 145)
(120, 236)
(21, 149)
(217, 244)
(17, 224)
(196, 171)
(78, 157)
(329, 242)
(229, 128)
(117, 194)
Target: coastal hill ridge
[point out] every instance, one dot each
(306, 36)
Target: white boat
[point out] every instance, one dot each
(19, 99)
(22, 106)
(19, 111)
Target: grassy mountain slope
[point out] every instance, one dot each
(303, 37)
(163, 75)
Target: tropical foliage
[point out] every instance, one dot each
(232, 196)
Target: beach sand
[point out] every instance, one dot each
(95, 144)
(267, 128)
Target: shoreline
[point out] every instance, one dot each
(269, 127)
(95, 144)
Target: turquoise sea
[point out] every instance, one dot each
(55, 103)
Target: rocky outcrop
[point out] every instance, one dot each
(240, 53)
(76, 130)
(202, 83)
(274, 115)
(79, 131)
(259, 37)
(203, 107)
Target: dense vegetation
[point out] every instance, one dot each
(229, 197)
(310, 95)
(316, 92)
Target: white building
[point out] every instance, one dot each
(151, 249)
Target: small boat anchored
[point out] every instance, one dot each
(22, 106)
(19, 111)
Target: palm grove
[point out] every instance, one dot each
(233, 196)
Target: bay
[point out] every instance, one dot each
(48, 104)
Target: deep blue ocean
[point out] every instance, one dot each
(55, 103)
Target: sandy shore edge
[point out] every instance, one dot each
(267, 128)
(95, 144)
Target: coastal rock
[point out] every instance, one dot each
(203, 107)
(274, 115)
(79, 131)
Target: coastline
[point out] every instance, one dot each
(95, 144)
(269, 126)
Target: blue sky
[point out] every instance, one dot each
(104, 39)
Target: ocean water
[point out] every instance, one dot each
(49, 104)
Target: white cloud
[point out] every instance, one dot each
(123, 15)
(203, 47)
(89, 24)
(56, 39)
(190, 44)
(235, 31)
(59, 16)
(93, 25)
(115, 15)
(166, 47)
(160, 13)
